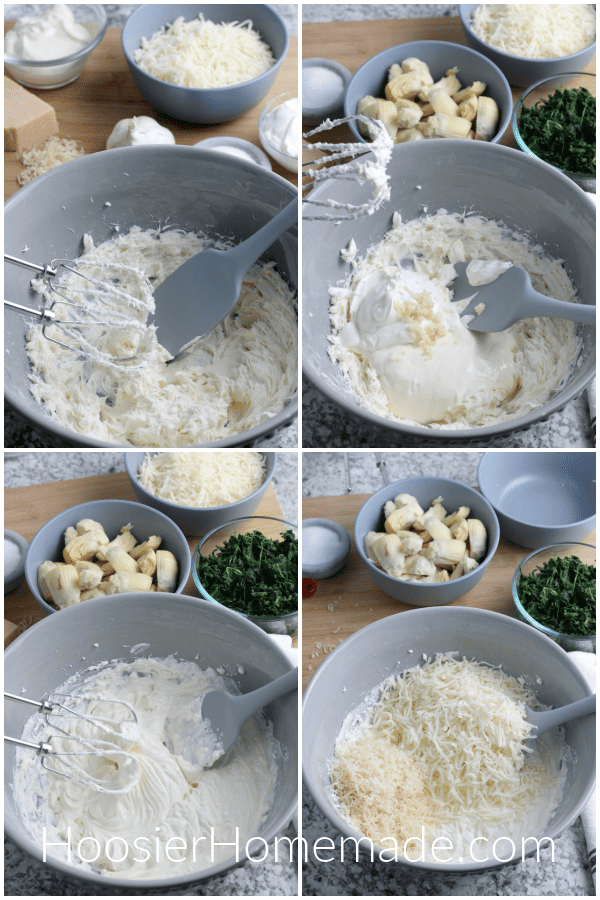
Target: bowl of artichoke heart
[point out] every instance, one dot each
(554, 590)
(250, 565)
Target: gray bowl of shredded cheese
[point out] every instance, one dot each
(204, 63)
(199, 491)
(531, 42)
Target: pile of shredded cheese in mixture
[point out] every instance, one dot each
(240, 374)
(536, 30)
(406, 354)
(203, 479)
(203, 54)
(172, 802)
(443, 750)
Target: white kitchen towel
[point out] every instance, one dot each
(591, 397)
(285, 642)
(586, 663)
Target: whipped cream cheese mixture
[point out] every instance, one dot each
(238, 375)
(174, 798)
(438, 754)
(407, 355)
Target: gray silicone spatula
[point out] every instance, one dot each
(544, 721)
(511, 297)
(201, 292)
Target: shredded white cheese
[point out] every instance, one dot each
(202, 54)
(536, 30)
(55, 151)
(444, 749)
(202, 479)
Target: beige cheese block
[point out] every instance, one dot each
(28, 121)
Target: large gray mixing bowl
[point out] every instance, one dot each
(204, 105)
(145, 186)
(189, 628)
(496, 181)
(396, 643)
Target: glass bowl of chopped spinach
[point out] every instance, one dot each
(555, 121)
(554, 590)
(250, 565)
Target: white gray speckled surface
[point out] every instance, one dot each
(324, 424)
(25, 876)
(323, 474)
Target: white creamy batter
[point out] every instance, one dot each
(403, 349)
(172, 799)
(240, 374)
(51, 35)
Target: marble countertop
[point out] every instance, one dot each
(323, 474)
(24, 875)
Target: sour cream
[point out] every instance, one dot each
(280, 133)
(426, 360)
(53, 34)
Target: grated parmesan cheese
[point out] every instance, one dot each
(202, 54)
(535, 31)
(202, 479)
(55, 152)
(444, 751)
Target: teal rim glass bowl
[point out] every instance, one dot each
(540, 92)
(272, 528)
(587, 553)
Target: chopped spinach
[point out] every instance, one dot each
(561, 130)
(253, 574)
(561, 594)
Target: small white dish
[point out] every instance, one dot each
(236, 147)
(324, 84)
(325, 548)
(14, 571)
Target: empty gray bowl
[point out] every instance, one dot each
(495, 181)
(196, 520)
(426, 488)
(204, 106)
(395, 643)
(371, 78)
(540, 498)
(207, 192)
(49, 541)
(118, 628)
(519, 70)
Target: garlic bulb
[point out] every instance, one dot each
(139, 130)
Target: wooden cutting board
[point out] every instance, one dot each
(353, 43)
(89, 108)
(26, 509)
(350, 600)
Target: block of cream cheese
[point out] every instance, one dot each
(28, 121)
